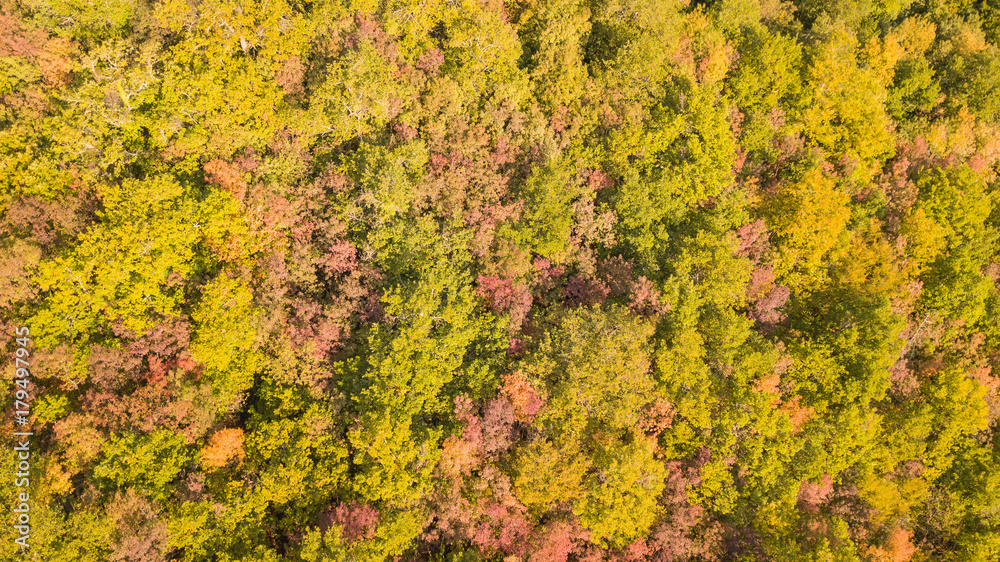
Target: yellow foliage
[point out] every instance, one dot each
(810, 217)
(926, 238)
(915, 35)
(847, 116)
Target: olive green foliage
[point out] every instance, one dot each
(536, 280)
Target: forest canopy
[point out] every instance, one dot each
(518, 280)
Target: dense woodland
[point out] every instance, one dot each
(522, 280)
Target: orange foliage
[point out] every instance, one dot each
(224, 446)
(523, 396)
(227, 176)
(897, 547)
(798, 414)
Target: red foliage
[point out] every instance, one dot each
(845, 502)
(430, 61)
(501, 527)
(111, 369)
(140, 534)
(904, 384)
(766, 297)
(341, 257)
(165, 342)
(555, 541)
(465, 412)
(486, 218)
(761, 281)
(584, 290)
(192, 486)
(452, 514)
(616, 273)
(145, 409)
(143, 365)
(912, 468)
(227, 176)
(79, 437)
(743, 542)
(659, 418)
(333, 288)
(355, 520)
(546, 274)
(633, 552)
(403, 132)
(527, 402)
(516, 347)
(16, 40)
(598, 180)
(813, 494)
(489, 434)
(331, 182)
(291, 75)
(498, 425)
(752, 239)
(48, 221)
(468, 178)
(506, 297)
(308, 321)
(646, 298)
(462, 453)
(900, 191)
(687, 531)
